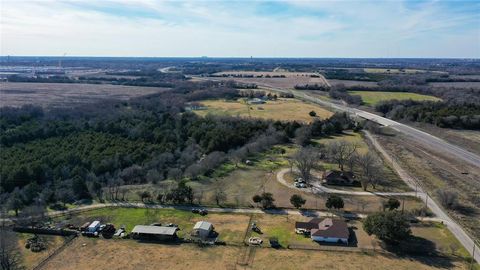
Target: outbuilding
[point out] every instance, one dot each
(144, 232)
(202, 229)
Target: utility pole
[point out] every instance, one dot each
(473, 257)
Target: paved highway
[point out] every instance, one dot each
(419, 136)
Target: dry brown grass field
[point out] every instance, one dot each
(349, 83)
(291, 78)
(88, 253)
(281, 109)
(67, 94)
(31, 259)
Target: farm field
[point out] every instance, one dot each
(289, 81)
(371, 98)
(349, 83)
(67, 94)
(281, 109)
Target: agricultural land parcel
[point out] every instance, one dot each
(281, 109)
(373, 97)
(67, 94)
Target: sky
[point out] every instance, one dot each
(149, 28)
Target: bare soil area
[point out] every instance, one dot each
(67, 94)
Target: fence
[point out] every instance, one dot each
(68, 241)
(44, 231)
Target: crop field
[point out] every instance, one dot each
(67, 94)
(373, 97)
(281, 109)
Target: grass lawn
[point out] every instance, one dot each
(281, 109)
(371, 98)
(231, 227)
(444, 240)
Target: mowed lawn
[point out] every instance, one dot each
(281, 109)
(373, 97)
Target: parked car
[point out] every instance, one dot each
(255, 240)
(299, 180)
(300, 185)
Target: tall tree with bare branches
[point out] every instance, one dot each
(341, 151)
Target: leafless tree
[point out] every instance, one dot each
(351, 162)
(10, 258)
(303, 135)
(448, 198)
(305, 159)
(219, 192)
(341, 151)
(370, 169)
(199, 196)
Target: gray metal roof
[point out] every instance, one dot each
(154, 230)
(203, 225)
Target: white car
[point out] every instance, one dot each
(299, 180)
(255, 240)
(300, 185)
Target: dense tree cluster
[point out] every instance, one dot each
(442, 114)
(90, 151)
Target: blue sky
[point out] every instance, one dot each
(241, 28)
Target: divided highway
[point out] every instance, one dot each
(420, 136)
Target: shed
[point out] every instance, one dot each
(202, 229)
(154, 232)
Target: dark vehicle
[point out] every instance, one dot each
(274, 242)
(108, 231)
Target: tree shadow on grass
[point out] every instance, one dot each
(421, 250)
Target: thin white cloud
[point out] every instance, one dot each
(341, 29)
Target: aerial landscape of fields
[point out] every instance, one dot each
(239, 135)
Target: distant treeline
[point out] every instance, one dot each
(442, 114)
(343, 74)
(148, 79)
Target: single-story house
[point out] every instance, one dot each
(339, 178)
(256, 101)
(326, 230)
(154, 232)
(202, 229)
